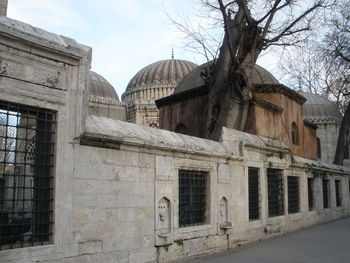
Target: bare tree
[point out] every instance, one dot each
(337, 47)
(249, 28)
(309, 69)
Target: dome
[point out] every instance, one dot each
(318, 108)
(100, 87)
(194, 80)
(157, 80)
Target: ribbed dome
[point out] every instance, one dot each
(100, 87)
(194, 80)
(149, 83)
(318, 108)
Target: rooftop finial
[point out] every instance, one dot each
(172, 53)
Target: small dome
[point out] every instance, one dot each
(194, 79)
(100, 87)
(162, 74)
(318, 108)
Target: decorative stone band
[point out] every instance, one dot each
(266, 105)
(310, 124)
(279, 88)
(323, 119)
(152, 91)
(105, 101)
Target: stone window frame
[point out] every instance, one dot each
(293, 194)
(281, 195)
(250, 218)
(311, 186)
(210, 226)
(195, 173)
(43, 134)
(326, 196)
(338, 192)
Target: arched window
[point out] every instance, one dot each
(318, 147)
(180, 128)
(295, 133)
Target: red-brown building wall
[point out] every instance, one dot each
(189, 112)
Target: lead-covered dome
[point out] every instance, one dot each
(194, 79)
(157, 80)
(318, 108)
(100, 88)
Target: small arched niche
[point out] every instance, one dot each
(163, 215)
(223, 210)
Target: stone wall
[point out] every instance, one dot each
(116, 184)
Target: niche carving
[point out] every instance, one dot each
(223, 214)
(164, 235)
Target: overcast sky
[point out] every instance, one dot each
(125, 35)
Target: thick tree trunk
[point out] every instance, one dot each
(224, 100)
(229, 86)
(342, 138)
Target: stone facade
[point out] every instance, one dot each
(116, 184)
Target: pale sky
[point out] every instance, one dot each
(125, 35)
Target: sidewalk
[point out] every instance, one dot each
(326, 243)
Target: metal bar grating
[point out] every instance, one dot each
(310, 193)
(26, 163)
(192, 197)
(337, 192)
(293, 194)
(253, 193)
(275, 192)
(325, 188)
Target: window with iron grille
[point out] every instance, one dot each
(310, 193)
(293, 194)
(275, 189)
(26, 164)
(337, 192)
(349, 189)
(253, 193)
(325, 188)
(192, 197)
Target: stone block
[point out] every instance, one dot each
(90, 247)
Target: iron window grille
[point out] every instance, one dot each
(26, 175)
(293, 194)
(192, 197)
(325, 188)
(275, 190)
(337, 192)
(253, 193)
(310, 192)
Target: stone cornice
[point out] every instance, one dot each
(279, 88)
(266, 105)
(310, 124)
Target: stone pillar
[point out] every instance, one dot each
(3, 7)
